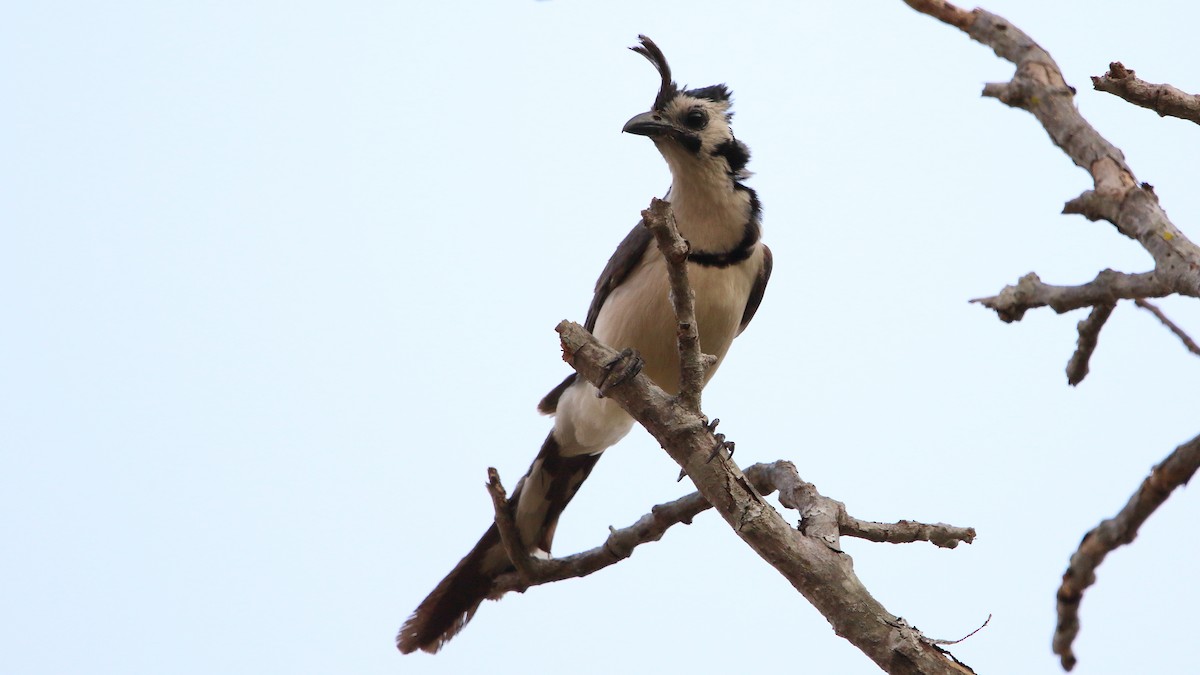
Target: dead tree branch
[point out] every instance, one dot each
(810, 560)
(1089, 336)
(1038, 87)
(1163, 99)
(510, 536)
(618, 546)
(828, 518)
(766, 478)
(1176, 470)
(1030, 293)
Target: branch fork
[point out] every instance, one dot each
(1038, 87)
(810, 558)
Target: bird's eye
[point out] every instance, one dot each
(695, 119)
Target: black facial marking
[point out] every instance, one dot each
(755, 205)
(690, 142)
(734, 152)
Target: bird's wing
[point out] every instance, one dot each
(758, 289)
(629, 252)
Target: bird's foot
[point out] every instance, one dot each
(722, 444)
(624, 367)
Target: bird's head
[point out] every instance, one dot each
(690, 126)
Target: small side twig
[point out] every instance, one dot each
(1109, 286)
(965, 637)
(1176, 470)
(660, 220)
(1163, 99)
(510, 536)
(1187, 341)
(1089, 335)
(906, 532)
(619, 545)
(781, 476)
(823, 513)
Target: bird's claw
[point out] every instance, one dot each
(722, 444)
(620, 369)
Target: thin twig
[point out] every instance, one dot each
(1187, 341)
(510, 536)
(619, 546)
(906, 531)
(660, 220)
(1089, 335)
(1176, 470)
(968, 635)
(1163, 99)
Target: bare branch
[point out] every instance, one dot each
(510, 536)
(1161, 98)
(766, 478)
(906, 531)
(815, 567)
(1108, 287)
(619, 546)
(827, 518)
(1187, 341)
(944, 12)
(1089, 335)
(1176, 470)
(1038, 87)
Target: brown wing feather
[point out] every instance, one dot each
(758, 289)
(629, 252)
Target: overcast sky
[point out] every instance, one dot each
(279, 281)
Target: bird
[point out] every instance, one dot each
(728, 266)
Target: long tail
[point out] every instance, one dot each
(537, 502)
(454, 601)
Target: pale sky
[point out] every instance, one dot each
(280, 279)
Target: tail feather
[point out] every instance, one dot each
(452, 604)
(537, 502)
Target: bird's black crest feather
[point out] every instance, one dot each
(716, 93)
(668, 89)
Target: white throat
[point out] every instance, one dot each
(710, 211)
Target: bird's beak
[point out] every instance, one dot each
(650, 124)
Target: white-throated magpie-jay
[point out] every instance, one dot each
(728, 268)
